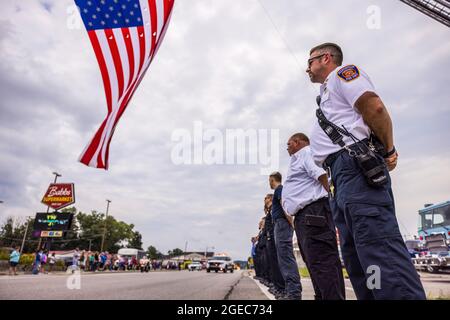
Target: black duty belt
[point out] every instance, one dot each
(324, 199)
(332, 157)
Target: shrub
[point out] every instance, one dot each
(4, 254)
(26, 259)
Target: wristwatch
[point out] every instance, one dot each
(390, 153)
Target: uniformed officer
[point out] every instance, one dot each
(277, 287)
(261, 252)
(373, 250)
(305, 197)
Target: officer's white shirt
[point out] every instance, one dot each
(338, 97)
(301, 186)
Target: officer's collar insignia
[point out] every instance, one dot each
(348, 73)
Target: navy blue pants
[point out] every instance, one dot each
(370, 238)
(286, 260)
(276, 276)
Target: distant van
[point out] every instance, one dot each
(130, 252)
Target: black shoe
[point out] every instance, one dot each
(280, 296)
(286, 297)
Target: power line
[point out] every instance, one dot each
(286, 44)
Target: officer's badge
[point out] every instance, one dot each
(348, 73)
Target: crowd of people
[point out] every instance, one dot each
(90, 261)
(338, 178)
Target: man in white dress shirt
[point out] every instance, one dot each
(305, 196)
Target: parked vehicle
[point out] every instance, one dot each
(434, 235)
(220, 263)
(195, 266)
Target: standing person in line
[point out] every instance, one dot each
(96, 261)
(14, 258)
(51, 262)
(284, 232)
(43, 261)
(82, 261)
(75, 258)
(353, 139)
(37, 262)
(253, 254)
(262, 244)
(278, 285)
(91, 261)
(305, 196)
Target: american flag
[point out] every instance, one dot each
(125, 36)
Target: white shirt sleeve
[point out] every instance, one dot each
(311, 168)
(353, 88)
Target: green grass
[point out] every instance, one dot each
(441, 296)
(305, 273)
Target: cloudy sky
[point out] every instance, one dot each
(230, 65)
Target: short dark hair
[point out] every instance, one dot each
(276, 175)
(333, 49)
(300, 136)
(269, 195)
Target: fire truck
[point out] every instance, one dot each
(434, 238)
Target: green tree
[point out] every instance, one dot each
(12, 231)
(175, 252)
(86, 229)
(136, 241)
(117, 232)
(153, 253)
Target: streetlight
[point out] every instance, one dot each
(56, 175)
(104, 225)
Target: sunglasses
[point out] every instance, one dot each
(310, 60)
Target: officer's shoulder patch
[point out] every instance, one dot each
(348, 73)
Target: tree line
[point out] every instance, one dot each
(85, 233)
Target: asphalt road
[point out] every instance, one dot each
(197, 285)
(168, 285)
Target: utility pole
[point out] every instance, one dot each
(24, 236)
(104, 225)
(48, 207)
(185, 248)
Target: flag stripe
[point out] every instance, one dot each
(103, 68)
(103, 41)
(160, 17)
(130, 54)
(164, 29)
(123, 55)
(154, 23)
(123, 102)
(116, 58)
(125, 36)
(147, 25)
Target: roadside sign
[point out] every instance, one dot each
(53, 221)
(51, 234)
(59, 195)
